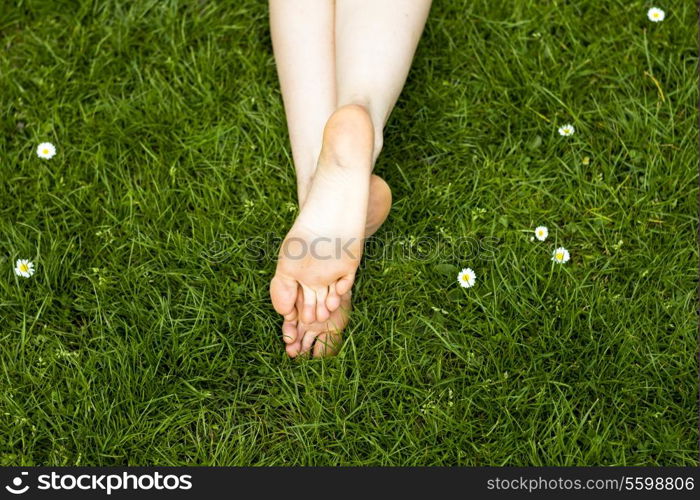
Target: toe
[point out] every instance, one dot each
(333, 299)
(292, 332)
(327, 344)
(291, 320)
(308, 341)
(344, 284)
(308, 312)
(322, 313)
(289, 327)
(294, 349)
(283, 292)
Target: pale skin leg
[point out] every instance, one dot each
(375, 41)
(304, 44)
(331, 55)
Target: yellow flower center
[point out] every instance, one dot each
(560, 256)
(46, 151)
(23, 267)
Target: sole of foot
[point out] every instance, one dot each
(324, 338)
(320, 254)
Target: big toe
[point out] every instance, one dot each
(283, 293)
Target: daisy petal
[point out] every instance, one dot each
(466, 277)
(46, 150)
(560, 255)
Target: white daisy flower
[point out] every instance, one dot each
(466, 278)
(541, 233)
(561, 255)
(567, 130)
(656, 15)
(24, 268)
(46, 150)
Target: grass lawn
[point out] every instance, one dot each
(146, 335)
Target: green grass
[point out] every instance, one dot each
(146, 335)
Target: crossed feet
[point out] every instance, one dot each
(320, 255)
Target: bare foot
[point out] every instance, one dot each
(324, 338)
(321, 253)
